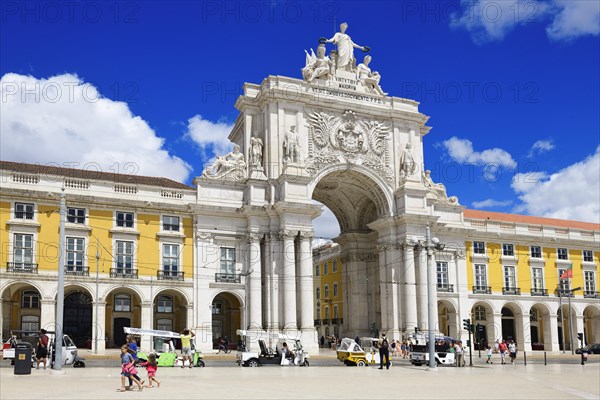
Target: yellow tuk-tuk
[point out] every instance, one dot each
(351, 353)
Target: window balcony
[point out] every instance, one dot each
(317, 322)
(129, 273)
(337, 321)
(169, 275)
(590, 294)
(564, 293)
(76, 270)
(325, 321)
(444, 287)
(482, 290)
(511, 291)
(539, 292)
(227, 278)
(21, 268)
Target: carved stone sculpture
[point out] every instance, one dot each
(438, 189)
(291, 146)
(370, 80)
(345, 48)
(231, 166)
(408, 166)
(317, 66)
(256, 147)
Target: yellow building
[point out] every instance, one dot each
(328, 294)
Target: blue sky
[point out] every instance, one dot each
(512, 87)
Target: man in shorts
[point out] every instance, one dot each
(186, 347)
(41, 352)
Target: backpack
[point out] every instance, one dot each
(384, 344)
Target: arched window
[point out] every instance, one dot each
(30, 299)
(122, 302)
(164, 304)
(479, 313)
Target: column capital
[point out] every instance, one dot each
(252, 237)
(205, 236)
(306, 235)
(287, 234)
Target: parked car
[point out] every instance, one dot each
(593, 348)
(69, 350)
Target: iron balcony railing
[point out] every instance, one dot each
(21, 268)
(317, 322)
(511, 290)
(539, 292)
(169, 275)
(227, 278)
(337, 321)
(124, 273)
(444, 287)
(325, 321)
(482, 290)
(590, 294)
(564, 293)
(75, 270)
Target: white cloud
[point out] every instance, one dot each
(575, 18)
(491, 203)
(541, 146)
(492, 20)
(211, 137)
(63, 119)
(326, 226)
(461, 150)
(571, 193)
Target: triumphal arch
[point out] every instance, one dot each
(336, 137)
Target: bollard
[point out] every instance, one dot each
(525, 357)
(545, 358)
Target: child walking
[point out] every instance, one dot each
(151, 367)
(127, 369)
(489, 355)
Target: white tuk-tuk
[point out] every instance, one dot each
(162, 345)
(268, 355)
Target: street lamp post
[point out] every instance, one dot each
(97, 293)
(60, 295)
(430, 245)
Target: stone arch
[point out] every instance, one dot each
(226, 316)
(567, 327)
(448, 317)
(121, 312)
(11, 283)
(112, 288)
(591, 324)
(539, 332)
(512, 322)
(69, 287)
(78, 314)
(482, 313)
(170, 312)
(19, 309)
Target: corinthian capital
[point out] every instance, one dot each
(252, 237)
(287, 234)
(306, 235)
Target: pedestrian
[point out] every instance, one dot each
(384, 352)
(503, 349)
(512, 350)
(497, 346)
(151, 368)
(128, 369)
(41, 352)
(186, 347)
(488, 351)
(458, 350)
(131, 349)
(322, 341)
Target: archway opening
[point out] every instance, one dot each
(123, 309)
(77, 319)
(21, 308)
(226, 319)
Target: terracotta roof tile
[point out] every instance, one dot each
(91, 174)
(527, 219)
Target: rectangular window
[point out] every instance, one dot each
(326, 292)
(334, 266)
(562, 254)
(480, 276)
(562, 283)
(318, 313)
(326, 312)
(318, 293)
(508, 250)
(442, 274)
(325, 267)
(217, 308)
(170, 223)
(164, 324)
(170, 259)
(125, 219)
(479, 247)
(536, 252)
(31, 299)
(537, 278)
(336, 312)
(124, 257)
(122, 303)
(75, 254)
(23, 211)
(76, 215)
(317, 270)
(588, 256)
(509, 277)
(23, 251)
(589, 281)
(227, 260)
(30, 323)
(164, 304)
(335, 290)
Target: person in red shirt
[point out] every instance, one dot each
(41, 353)
(503, 350)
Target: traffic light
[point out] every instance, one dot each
(468, 343)
(467, 324)
(580, 337)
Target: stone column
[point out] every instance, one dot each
(578, 328)
(394, 252)
(275, 269)
(48, 314)
(101, 325)
(525, 336)
(551, 336)
(306, 282)
(266, 293)
(383, 289)
(254, 282)
(497, 325)
(410, 290)
(288, 281)
(421, 279)
(147, 323)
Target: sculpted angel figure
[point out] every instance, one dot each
(345, 48)
(316, 66)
